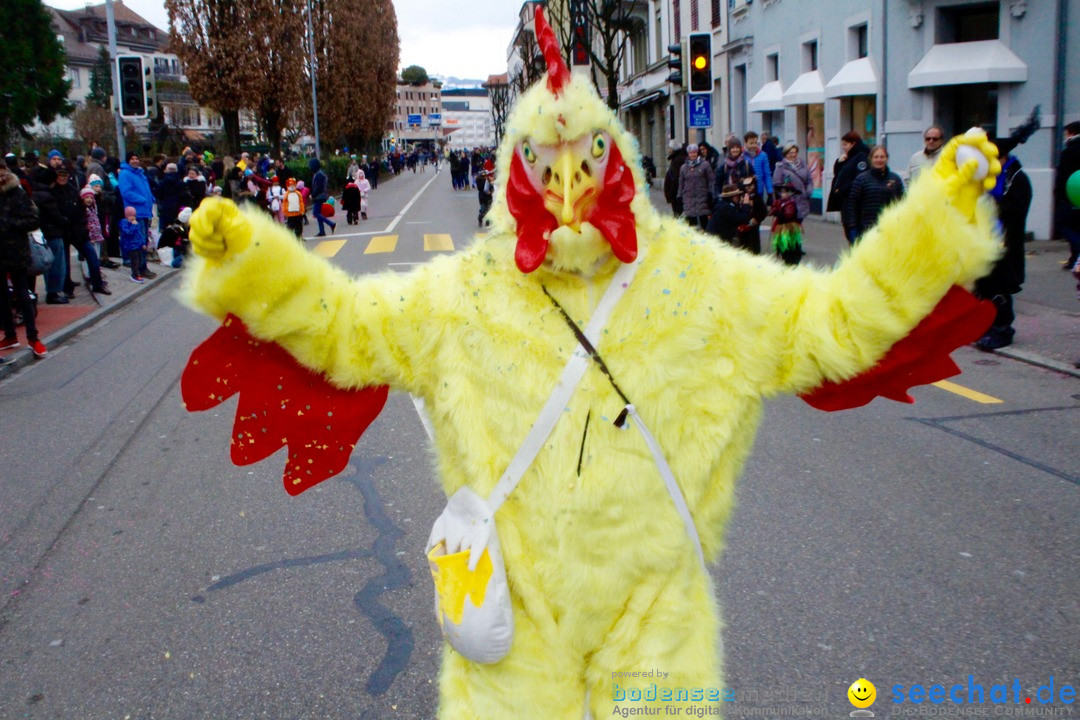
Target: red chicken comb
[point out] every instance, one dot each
(558, 73)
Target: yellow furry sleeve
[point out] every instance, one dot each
(369, 331)
(818, 326)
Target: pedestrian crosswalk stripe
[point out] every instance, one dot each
(967, 392)
(328, 248)
(381, 244)
(435, 242)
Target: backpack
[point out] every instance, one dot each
(294, 203)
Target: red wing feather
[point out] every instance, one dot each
(281, 403)
(920, 358)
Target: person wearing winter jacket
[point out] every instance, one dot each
(729, 214)
(854, 160)
(671, 178)
(135, 191)
(53, 225)
(732, 168)
(792, 171)
(76, 233)
(18, 216)
(872, 191)
(695, 188)
(319, 193)
(170, 195)
(1013, 197)
(762, 167)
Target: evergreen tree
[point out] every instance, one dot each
(33, 85)
(415, 75)
(100, 81)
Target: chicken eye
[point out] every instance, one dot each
(527, 151)
(599, 145)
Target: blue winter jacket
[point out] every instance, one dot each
(131, 236)
(135, 191)
(763, 172)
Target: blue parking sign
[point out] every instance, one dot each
(699, 110)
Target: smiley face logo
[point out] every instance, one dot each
(862, 693)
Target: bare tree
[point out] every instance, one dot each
(277, 69)
(212, 41)
(93, 124)
(611, 23)
(356, 50)
(499, 92)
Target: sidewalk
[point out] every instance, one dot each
(57, 323)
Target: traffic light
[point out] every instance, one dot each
(133, 86)
(701, 78)
(675, 63)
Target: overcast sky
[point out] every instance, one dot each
(462, 38)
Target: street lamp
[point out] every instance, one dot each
(314, 95)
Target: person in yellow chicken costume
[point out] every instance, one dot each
(602, 572)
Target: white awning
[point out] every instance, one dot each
(649, 97)
(984, 61)
(808, 89)
(857, 77)
(768, 99)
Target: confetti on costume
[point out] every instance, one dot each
(602, 572)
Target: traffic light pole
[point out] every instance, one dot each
(121, 148)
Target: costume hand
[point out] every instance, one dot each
(219, 229)
(962, 187)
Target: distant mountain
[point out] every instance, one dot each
(456, 82)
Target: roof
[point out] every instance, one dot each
(77, 51)
(132, 30)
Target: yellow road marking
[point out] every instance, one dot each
(967, 392)
(328, 248)
(381, 244)
(435, 242)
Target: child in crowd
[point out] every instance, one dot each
(350, 200)
(294, 208)
(486, 192)
(365, 187)
(175, 236)
(94, 234)
(786, 229)
(275, 195)
(306, 194)
(133, 243)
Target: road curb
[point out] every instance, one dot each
(25, 357)
(1037, 360)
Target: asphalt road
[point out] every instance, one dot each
(144, 576)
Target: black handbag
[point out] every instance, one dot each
(41, 256)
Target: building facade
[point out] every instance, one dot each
(418, 113)
(84, 32)
(467, 120)
(809, 71)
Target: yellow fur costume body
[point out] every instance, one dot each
(603, 574)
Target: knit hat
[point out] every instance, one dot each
(98, 153)
(275, 180)
(94, 180)
(248, 173)
(299, 184)
(55, 153)
(86, 191)
(184, 215)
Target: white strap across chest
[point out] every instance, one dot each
(560, 396)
